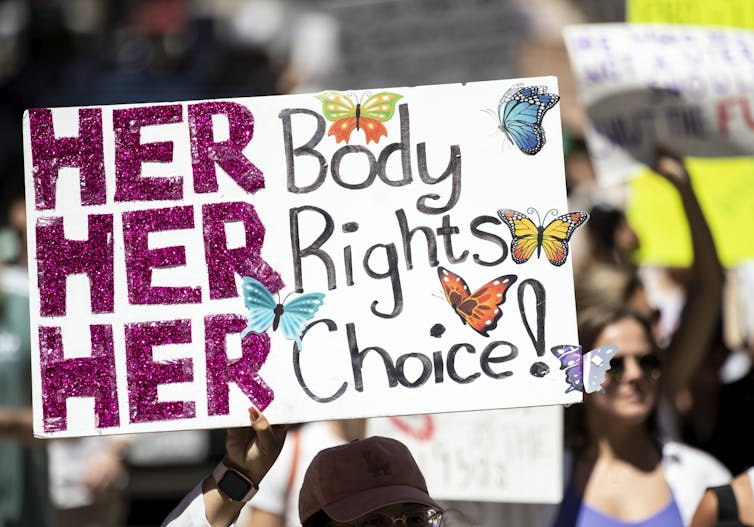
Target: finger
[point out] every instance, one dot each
(269, 438)
(239, 435)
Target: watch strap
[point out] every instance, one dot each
(219, 472)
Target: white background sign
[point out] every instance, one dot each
(688, 88)
(513, 456)
(139, 247)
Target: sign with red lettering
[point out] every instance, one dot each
(333, 255)
(689, 88)
(511, 456)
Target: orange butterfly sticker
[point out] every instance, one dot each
(348, 116)
(479, 309)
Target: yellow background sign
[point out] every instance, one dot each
(730, 13)
(725, 189)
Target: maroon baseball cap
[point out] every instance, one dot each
(351, 480)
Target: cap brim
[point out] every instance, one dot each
(364, 502)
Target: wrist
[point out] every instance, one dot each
(234, 483)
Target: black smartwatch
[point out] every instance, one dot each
(233, 484)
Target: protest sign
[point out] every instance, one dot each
(730, 13)
(688, 88)
(725, 193)
(513, 456)
(308, 254)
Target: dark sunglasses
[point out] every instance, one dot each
(649, 363)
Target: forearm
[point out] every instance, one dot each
(17, 424)
(706, 267)
(701, 312)
(221, 511)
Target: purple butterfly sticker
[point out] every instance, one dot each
(584, 373)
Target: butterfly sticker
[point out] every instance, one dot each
(264, 311)
(586, 372)
(521, 111)
(479, 309)
(348, 116)
(527, 237)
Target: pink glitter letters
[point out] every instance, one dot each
(223, 262)
(244, 371)
(58, 257)
(130, 153)
(205, 151)
(49, 154)
(144, 374)
(140, 260)
(80, 377)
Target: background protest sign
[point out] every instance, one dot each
(690, 89)
(513, 456)
(147, 222)
(731, 13)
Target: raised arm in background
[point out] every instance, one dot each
(701, 312)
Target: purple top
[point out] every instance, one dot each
(575, 513)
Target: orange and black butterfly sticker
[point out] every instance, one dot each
(480, 309)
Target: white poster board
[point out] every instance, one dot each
(686, 87)
(145, 220)
(513, 456)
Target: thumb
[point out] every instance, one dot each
(269, 438)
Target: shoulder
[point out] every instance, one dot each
(689, 472)
(706, 513)
(694, 462)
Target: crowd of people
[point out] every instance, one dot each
(670, 441)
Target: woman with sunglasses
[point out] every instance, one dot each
(372, 482)
(621, 471)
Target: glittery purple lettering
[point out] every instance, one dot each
(205, 151)
(130, 153)
(243, 371)
(49, 154)
(58, 257)
(144, 374)
(140, 260)
(78, 377)
(222, 262)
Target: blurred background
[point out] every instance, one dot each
(94, 52)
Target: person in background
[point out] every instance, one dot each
(87, 479)
(693, 335)
(612, 240)
(24, 489)
(728, 506)
(276, 503)
(622, 470)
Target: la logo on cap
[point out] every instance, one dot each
(377, 465)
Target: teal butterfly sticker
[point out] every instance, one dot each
(264, 311)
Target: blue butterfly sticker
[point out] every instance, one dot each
(586, 372)
(264, 311)
(521, 111)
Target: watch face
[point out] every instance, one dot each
(233, 485)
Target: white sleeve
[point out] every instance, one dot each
(190, 511)
(689, 472)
